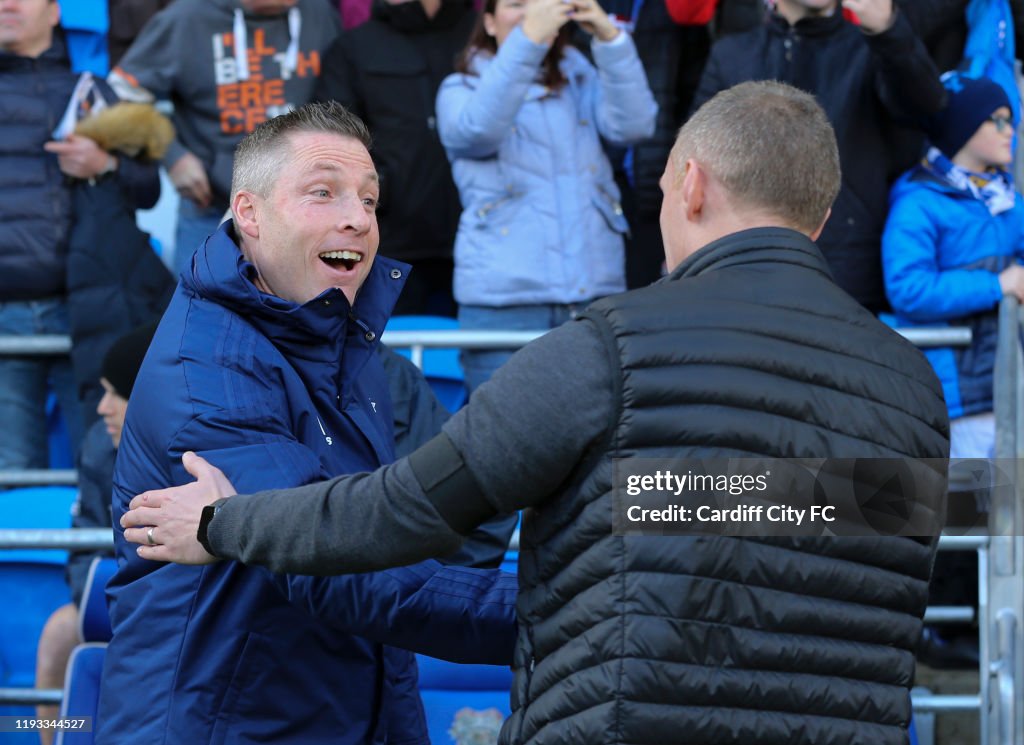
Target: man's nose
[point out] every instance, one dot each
(353, 216)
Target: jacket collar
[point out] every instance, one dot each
(312, 331)
(409, 17)
(753, 246)
(808, 27)
(921, 176)
(54, 57)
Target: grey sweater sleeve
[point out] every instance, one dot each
(521, 435)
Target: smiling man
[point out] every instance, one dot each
(266, 360)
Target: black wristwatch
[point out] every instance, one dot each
(209, 512)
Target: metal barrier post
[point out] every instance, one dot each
(1003, 719)
(984, 646)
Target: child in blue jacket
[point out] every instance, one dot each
(952, 246)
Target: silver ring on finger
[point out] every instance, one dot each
(149, 537)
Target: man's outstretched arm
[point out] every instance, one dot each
(512, 446)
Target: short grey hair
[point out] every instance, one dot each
(771, 146)
(263, 153)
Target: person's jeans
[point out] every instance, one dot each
(194, 226)
(972, 436)
(23, 385)
(479, 365)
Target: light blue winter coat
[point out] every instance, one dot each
(941, 254)
(541, 220)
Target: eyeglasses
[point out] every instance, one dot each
(1001, 122)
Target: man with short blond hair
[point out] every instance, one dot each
(728, 140)
(267, 361)
(746, 349)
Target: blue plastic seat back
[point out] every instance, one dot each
(441, 367)
(511, 562)
(93, 616)
(85, 25)
(58, 440)
(82, 691)
(37, 507)
(31, 592)
(32, 584)
(463, 703)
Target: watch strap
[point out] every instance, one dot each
(209, 513)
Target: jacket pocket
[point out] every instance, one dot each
(250, 661)
(497, 211)
(611, 210)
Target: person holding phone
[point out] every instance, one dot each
(522, 120)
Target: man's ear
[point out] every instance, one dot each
(693, 191)
(817, 233)
(246, 215)
(54, 11)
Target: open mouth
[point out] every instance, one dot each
(346, 260)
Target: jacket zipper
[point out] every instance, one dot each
(490, 206)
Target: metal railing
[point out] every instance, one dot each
(415, 341)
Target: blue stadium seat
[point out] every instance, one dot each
(57, 438)
(82, 680)
(32, 587)
(463, 703)
(37, 507)
(85, 25)
(93, 616)
(440, 366)
(511, 562)
(82, 691)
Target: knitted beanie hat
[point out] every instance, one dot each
(124, 358)
(971, 102)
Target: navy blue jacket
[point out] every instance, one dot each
(868, 85)
(35, 212)
(233, 654)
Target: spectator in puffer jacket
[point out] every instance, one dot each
(953, 245)
(37, 175)
(541, 232)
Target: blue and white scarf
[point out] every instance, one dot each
(994, 188)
